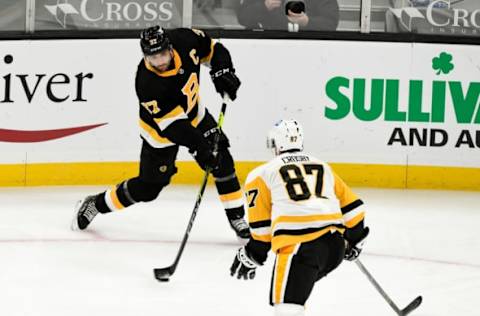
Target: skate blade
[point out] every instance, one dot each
(74, 224)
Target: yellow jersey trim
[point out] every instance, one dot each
(178, 110)
(354, 221)
(153, 133)
(343, 192)
(282, 241)
(261, 210)
(207, 58)
(307, 218)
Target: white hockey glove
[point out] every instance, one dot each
(243, 266)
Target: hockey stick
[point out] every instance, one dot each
(164, 274)
(401, 312)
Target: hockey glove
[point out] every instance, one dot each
(243, 266)
(354, 247)
(206, 158)
(225, 81)
(215, 134)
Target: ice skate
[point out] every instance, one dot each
(85, 211)
(240, 227)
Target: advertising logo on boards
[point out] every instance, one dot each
(34, 86)
(348, 98)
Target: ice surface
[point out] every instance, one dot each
(421, 242)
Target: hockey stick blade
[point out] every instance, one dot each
(400, 312)
(412, 306)
(163, 274)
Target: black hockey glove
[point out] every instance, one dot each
(225, 81)
(215, 134)
(354, 246)
(243, 266)
(206, 158)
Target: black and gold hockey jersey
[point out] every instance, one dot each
(297, 198)
(173, 96)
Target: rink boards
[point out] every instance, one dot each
(384, 114)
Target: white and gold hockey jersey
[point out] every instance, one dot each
(297, 198)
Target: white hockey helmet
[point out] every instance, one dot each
(286, 135)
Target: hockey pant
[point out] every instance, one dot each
(157, 166)
(298, 267)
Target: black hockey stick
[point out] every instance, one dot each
(401, 312)
(164, 274)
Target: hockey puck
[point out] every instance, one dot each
(163, 279)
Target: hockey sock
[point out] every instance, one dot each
(114, 199)
(231, 196)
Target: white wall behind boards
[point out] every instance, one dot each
(289, 79)
(419, 90)
(106, 96)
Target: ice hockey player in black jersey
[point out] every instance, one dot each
(167, 86)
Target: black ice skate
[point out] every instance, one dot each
(85, 211)
(240, 227)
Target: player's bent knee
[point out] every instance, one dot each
(227, 166)
(289, 310)
(143, 191)
(150, 193)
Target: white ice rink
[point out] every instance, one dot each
(421, 242)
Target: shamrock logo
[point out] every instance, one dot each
(443, 63)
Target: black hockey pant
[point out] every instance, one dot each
(157, 166)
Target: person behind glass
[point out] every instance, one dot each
(171, 115)
(291, 15)
(303, 211)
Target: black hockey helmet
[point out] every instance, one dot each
(154, 40)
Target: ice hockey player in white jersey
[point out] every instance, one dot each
(302, 210)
